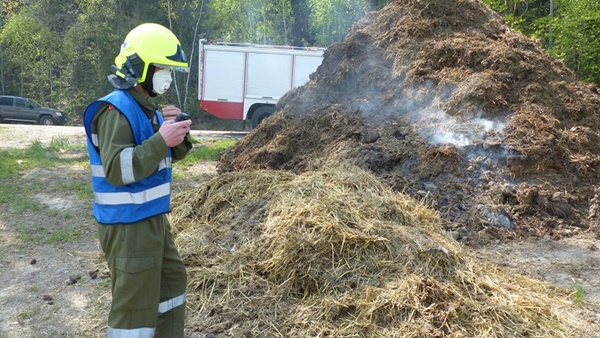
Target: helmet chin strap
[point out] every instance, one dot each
(128, 80)
(147, 84)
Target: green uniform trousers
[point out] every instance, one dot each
(148, 279)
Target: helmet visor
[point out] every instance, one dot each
(173, 68)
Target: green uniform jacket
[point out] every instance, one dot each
(114, 134)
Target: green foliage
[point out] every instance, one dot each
(9, 7)
(576, 38)
(89, 49)
(184, 19)
(31, 55)
(330, 19)
(569, 29)
(255, 21)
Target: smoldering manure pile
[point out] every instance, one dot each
(331, 218)
(441, 100)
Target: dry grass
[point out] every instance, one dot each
(336, 253)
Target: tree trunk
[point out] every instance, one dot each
(2, 69)
(191, 58)
(300, 32)
(551, 38)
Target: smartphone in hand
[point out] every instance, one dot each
(182, 117)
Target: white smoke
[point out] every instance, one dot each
(439, 128)
(420, 108)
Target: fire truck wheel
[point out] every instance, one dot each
(261, 114)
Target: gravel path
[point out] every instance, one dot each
(22, 135)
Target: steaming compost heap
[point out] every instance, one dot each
(330, 218)
(443, 101)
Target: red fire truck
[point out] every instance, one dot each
(244, 81)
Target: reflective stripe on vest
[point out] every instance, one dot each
(118, 198)
(98, 170)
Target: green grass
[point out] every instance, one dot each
(25, 315)
(207, 150)
(82, 189)
(16, 191)
(205, 121)
(37, 155)
(578, 295)
(17, 196)
(42, 235)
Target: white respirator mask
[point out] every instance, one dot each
(161, 81)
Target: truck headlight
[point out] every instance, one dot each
(58, 114)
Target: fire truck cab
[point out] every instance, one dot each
(240, 81)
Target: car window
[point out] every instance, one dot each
(6, 101)
(21, 103)
(33, 103)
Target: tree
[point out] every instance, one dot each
(300, 32)
(568, 29)
(254, 21)
(576, 37)
(90, 46)
(330, 19)
(31, 53)
(184, 19)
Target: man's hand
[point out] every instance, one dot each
(174, 132)
(170, 112)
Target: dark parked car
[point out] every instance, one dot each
(19, 109)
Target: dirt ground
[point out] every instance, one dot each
(21, 135)
(59, 288)
(38, 298)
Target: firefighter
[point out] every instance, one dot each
(131, 145)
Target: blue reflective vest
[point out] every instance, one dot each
(137, 200)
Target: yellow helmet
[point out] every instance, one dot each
(149, 44)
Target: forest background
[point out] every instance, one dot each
(59, 52)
